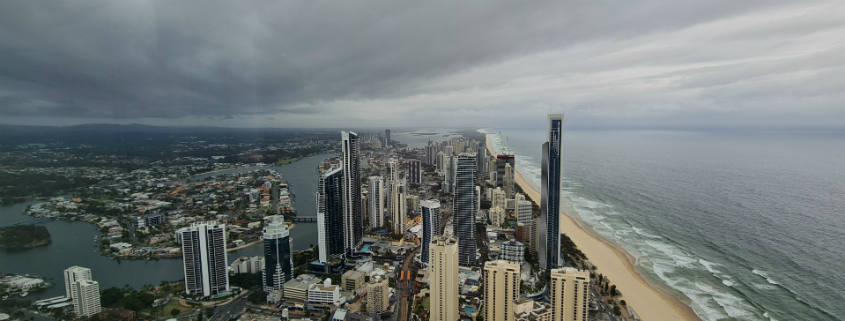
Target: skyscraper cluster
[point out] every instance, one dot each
(340, 208)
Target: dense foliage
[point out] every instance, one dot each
(127, 298)
(245, 280)
(17, 187)
(24, 236)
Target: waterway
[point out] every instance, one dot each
(73, 242)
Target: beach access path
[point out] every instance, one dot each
(650, 302)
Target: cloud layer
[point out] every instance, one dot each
(329, 64)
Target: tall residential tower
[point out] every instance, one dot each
(330, 215)
(549, 247)
(431, 226)
(463, 207)
(353, 220)
(204, 258)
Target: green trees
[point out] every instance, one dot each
(616, 310)
(174, 312)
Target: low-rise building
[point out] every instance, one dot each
(352, 280)
(513, 251)
(297, 289)
(323, 296)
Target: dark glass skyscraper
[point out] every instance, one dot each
(549, 249)
(463, 208)
(330, 215)
(501, 161)
(414, 172)
(353, 216)
(278, 267)
(431, 225)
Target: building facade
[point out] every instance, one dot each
(549, 243)
(443, 279)
(430, 226)
(204, 259)
(73, 274)
(524, 214)
(278, 263)
(330, 215)
(378, 295)
(569, 294)
(353, 220)
(501, 289)
(513, 251)
(497, 216)
(501, 161)
(376, 202)
(87, 300)
(507, 181)
(400, 206)
(463, 210)
(414, 172)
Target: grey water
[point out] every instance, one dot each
(73, 242)
(741, 225)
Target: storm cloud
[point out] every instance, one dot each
(381, 63)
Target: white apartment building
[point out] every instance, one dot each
(86, 301)
(204, 259)
(323, 295)
(513, 251)
(73, 274)
(497, 216)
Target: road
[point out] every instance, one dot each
(404, 288)
(236, 307)
(604, 308)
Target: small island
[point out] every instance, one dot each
(24, 237)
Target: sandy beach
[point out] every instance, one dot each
(647, 300)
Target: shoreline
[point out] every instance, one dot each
(244, 246)
(647, 299)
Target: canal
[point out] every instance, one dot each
(73, 242)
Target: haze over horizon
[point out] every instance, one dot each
(660, 64)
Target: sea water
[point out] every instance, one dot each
(740, 225)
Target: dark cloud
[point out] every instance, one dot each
(407, 62)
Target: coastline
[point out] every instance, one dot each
(244, 246)
(650, 302)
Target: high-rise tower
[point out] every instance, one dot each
(204, 258)
(549, 249)
(463, 209)
(501, 289)
(330, 215)
(278, 266)
(414, 172)
(431, 225)
(569, 294)
(443, 278)
(353, 220)
(376, 193)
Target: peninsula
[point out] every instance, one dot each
(24, 237)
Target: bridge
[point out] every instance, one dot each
(32, 221)
(306, 219)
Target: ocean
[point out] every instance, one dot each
(741, 225)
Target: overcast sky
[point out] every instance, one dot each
(401, 63)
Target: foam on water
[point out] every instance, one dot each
(712, 292)
(765, 275)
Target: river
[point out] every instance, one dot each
(73, 242)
